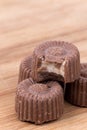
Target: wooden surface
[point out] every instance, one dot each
(23, 25)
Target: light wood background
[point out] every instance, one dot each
(23, 25)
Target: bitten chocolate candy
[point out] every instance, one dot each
(25, 68)
(39, 103)
(56, 60)
(76, 93)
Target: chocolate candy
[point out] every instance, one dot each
(39, 103)
(25, 68)
(76, 92)
(56, 60)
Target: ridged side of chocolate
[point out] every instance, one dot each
(70, 53)
(76, 92)
(25, 68)
(39, 103)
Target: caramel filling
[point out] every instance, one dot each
(52, 68)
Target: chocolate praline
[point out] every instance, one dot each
(57, 60)
(76, 92)
(38, 102)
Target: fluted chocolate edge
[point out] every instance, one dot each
(72, 69)
(39, 112)
(25, 69)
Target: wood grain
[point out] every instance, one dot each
(23, 25)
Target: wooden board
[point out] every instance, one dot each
(23, 25)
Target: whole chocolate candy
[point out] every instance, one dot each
(38, 102)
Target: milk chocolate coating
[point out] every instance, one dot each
(25, 68)
(76, 92)
(57, 60)
(39, 103)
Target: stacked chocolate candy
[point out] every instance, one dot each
(40, 95)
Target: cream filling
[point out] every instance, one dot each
(50, 67)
